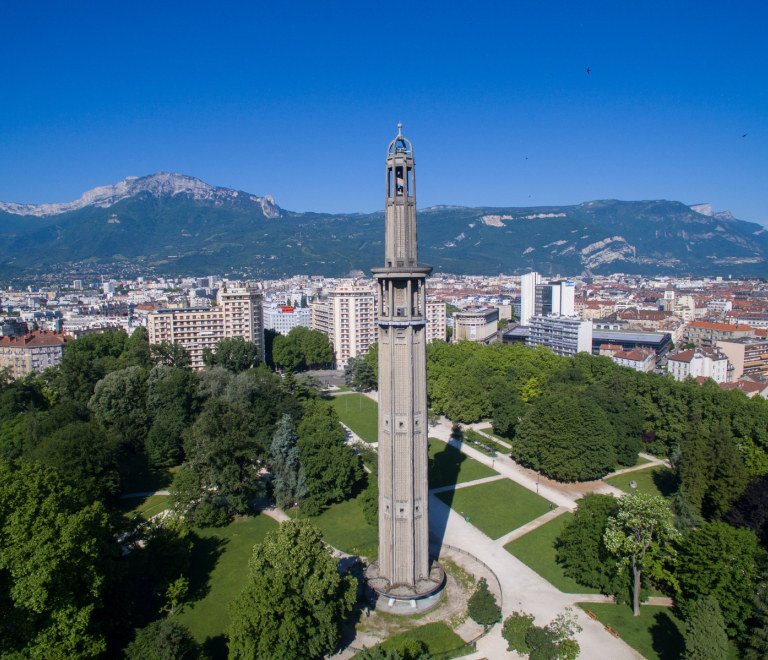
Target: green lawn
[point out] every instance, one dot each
(653, 480)
(360, 414)
(438, 637)
(219, 567)
(448, 466)
(537, 551)
(344, 527)
(498, 507)
(146, 507)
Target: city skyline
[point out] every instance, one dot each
(255, 103)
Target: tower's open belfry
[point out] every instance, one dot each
(404, 571)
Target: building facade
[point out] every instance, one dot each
(238, 314)
(699, 362)
(34, 352)
(348, 317)
(528, 284)
(747, 355)
(476, 324)
(639, 359)
(563, 335)
(284, 318)
(436, 326)
(703, 333)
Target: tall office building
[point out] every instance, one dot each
(404, 571)
(528, 284)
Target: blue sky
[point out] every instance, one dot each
(300, 99)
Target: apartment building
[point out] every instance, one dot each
(747, 355)
(563, 335)
(33, 352)
(348, 317)
(436, 312)
(639, 359)
(284, 318)
(476, 324)
(238, 314)
(704, 333)
(706, 362)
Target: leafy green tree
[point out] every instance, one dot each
(359, 374)
(723, 562)
(290, 484)
(372, 358)
(330, 466)
(220, 447)
(171, 354)
(705, 637)
(582, 551)
(302, 347)
(166, 639)
(232, 353)
(566, 438)
(57, 560)
(483, 608)
(286, 353)
(641, 535)
(508, 410)
(136, 351)
(84, 455)
(756, 643)
(515, 629)
(751, 509)
(368, 501)
(119, 402)
(294, 599)
(410, 650)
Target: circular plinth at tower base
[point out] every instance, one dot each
(404, 600)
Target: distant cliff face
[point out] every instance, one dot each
(179, 224)
(162, 183)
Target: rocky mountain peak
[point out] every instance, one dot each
(159, 184)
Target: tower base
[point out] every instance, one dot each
(404, 600)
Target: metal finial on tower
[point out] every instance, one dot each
(399, 130)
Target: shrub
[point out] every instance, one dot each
(515, 629)
(482, 605)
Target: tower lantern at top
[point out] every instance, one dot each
(400, 239)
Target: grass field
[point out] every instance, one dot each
(438, 637)
(448, 466)
(653, 480)
(537, 551)
(219, 567)
(344, 527)
(146, 507)
(360, 414)
(498, 507)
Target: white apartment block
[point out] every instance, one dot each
(528, 284)
(699, 362)
(238, 314)
(563, 335)
(639, 359)
(348, 317)
(435, 321)
(284, 318)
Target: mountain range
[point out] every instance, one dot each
(178, 224)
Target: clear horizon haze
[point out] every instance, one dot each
(300, 100)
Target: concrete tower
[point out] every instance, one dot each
(404, 570)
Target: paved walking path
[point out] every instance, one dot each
(149, 493)
(522, 588)
(529, 527)
(480, 425)
(658, 601)
(466, 484)
(652, 462)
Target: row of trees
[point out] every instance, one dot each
(301, 348)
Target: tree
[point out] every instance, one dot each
(166, 639)
(174, 595)
(705, 637)
(330, 466)
(57, 561)
(221, 448)
(232, 353)
(359, 374)
(582, 551)
(290, 484)
(751, 509)
(294, 599)
(508, 410)
(174, 355)
(515, 629)
(756, 644)
(555, 641)
(119, 402)
(641, 535)
(483, 608)
(567, 438)
(409, 650)
(723, 562)
(369, 501)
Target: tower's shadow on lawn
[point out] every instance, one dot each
(444, 470)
